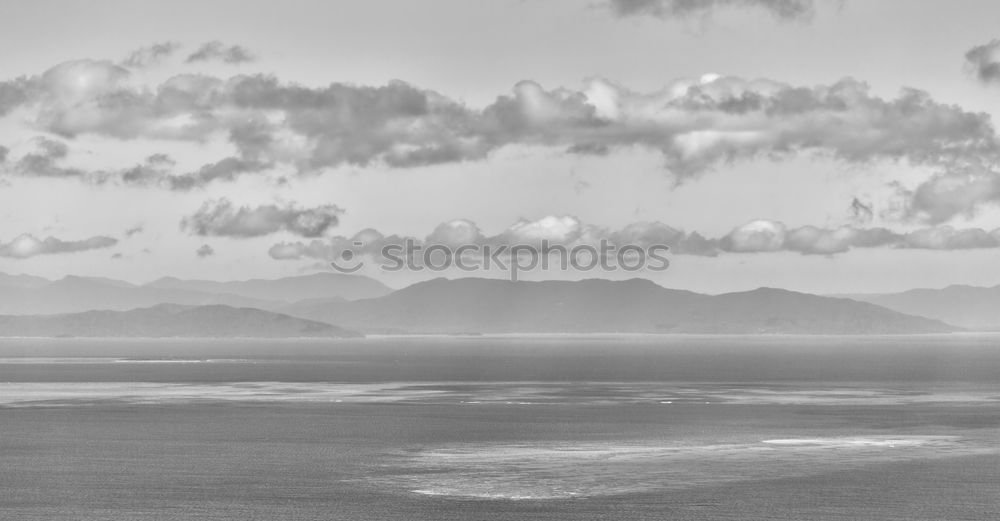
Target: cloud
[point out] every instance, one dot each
(26, 246)
(782, 9)
(948, 238)
(957, 191)
(226, 169)
(755, 236)
(588, 149)
(223, 219)
(204, 251)
(396, 124)
(811, 240)
(153, 171)
(456, 233)
(984, 61)
(554, 229)
(135, 230)
(87, 96)
(217, 51)
(150, 55)
(46, 160)
(14, 93)
(49, 157)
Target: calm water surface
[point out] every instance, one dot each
(637, 427)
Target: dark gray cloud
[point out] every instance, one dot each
(860, 213)
(984, 60)
(154, 170)
(222, 218)
(46, 160)
(49, 160)
(226, 169)
(14, 93)
(204, 251)
(218, 51)
(588, 149)
(26, 246)
(783, 9)
(135, 230)
(150, 55)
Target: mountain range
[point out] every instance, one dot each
(601, 306)
(310, 305)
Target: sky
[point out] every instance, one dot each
(821, 146)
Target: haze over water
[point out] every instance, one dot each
(596, 427)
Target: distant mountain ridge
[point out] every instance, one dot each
(26, 295)
(169, 320)
(287, 289)
(604, 306)
(475, 305)
(77, 294)
(971, 307)
(22, 281)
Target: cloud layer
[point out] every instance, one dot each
(696, 124)
(280, 128)
(760, 236)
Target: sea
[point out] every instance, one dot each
(555, 427)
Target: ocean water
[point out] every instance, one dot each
(498, 428)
